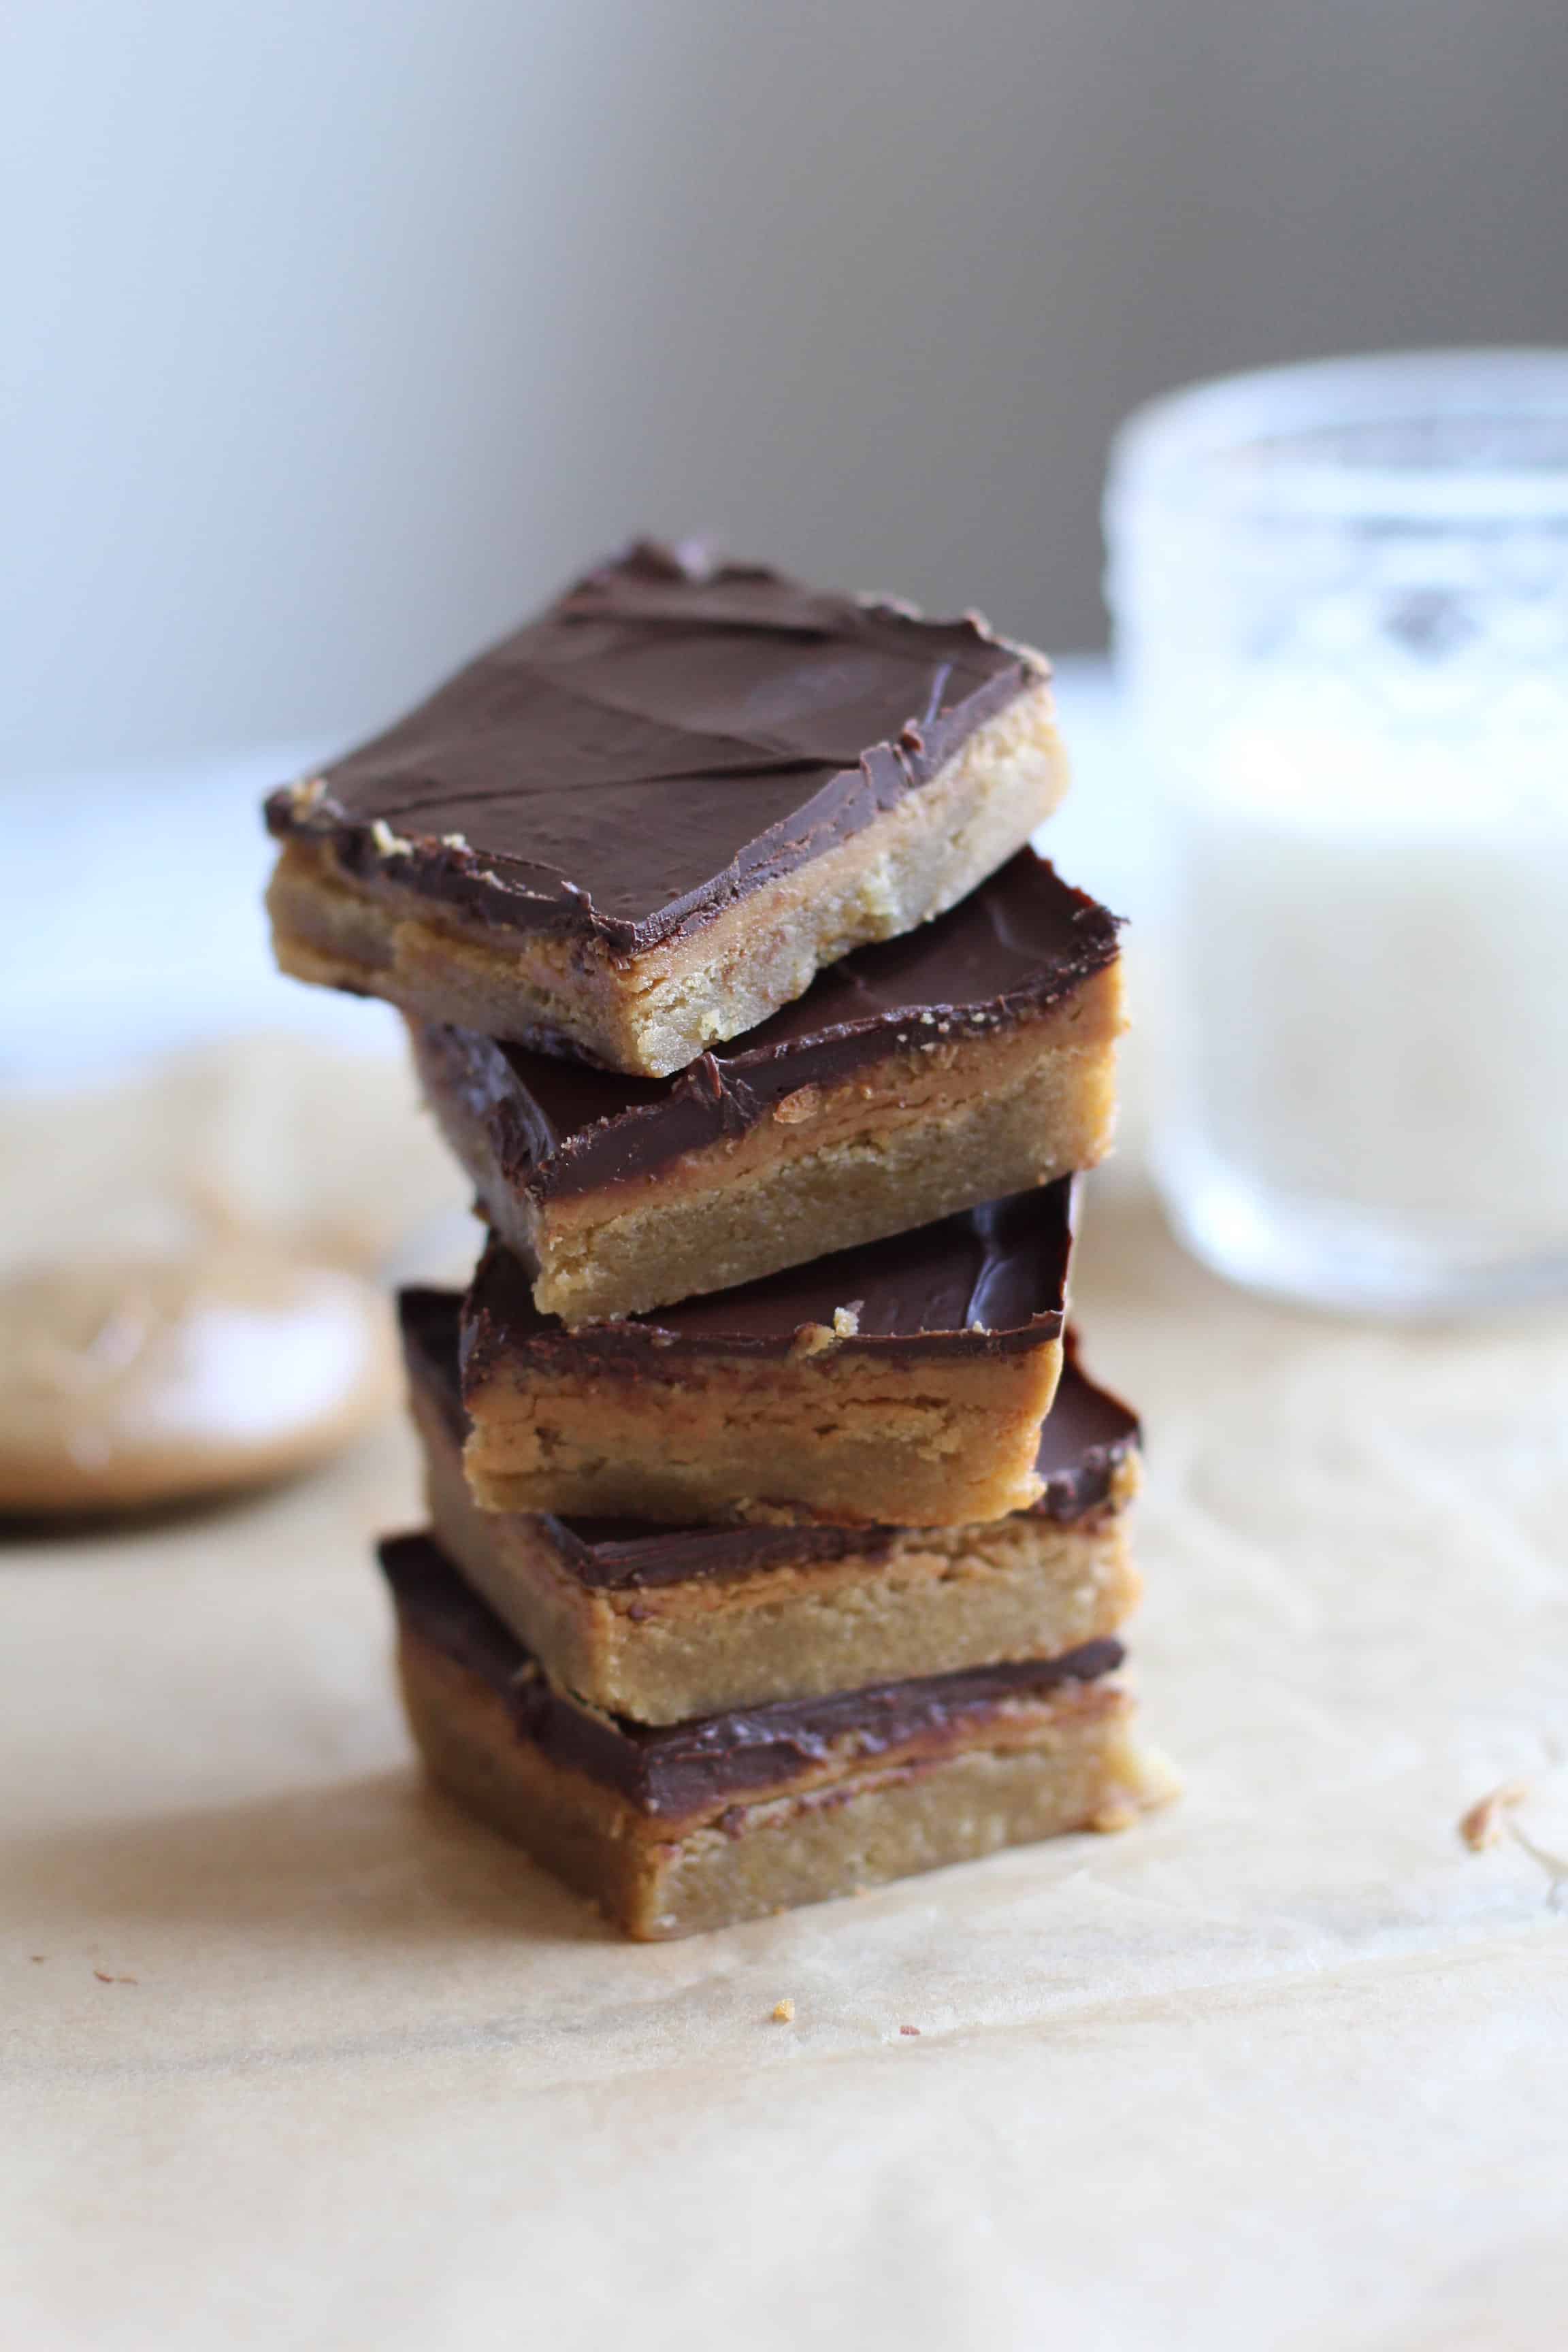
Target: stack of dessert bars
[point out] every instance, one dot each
(778, 1541)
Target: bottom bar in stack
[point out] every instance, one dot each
(675, 1828)
(697, 1726)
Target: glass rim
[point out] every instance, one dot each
(1191, 445)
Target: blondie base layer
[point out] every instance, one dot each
(700, 1824)
(902, 1385)
(660, 1624)
(647, 820)
(970, 1060)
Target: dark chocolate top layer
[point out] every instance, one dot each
(686, 1767)
(1021, 942)
(668, 735)
(991, 1281)
(1086, 1434)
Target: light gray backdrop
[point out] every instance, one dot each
(339, 330)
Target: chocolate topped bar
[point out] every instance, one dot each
(988, 1283)
(1087, 1435)
(669, 735)
(647, 819)
(901, 1383)
(1023, 942)
(679, 1769)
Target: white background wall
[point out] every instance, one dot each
(339, 330)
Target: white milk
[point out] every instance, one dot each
(1366, 1025)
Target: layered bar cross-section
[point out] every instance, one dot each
(902, 1384)
(659, 1623)
(694, 1825)
(966, 1061)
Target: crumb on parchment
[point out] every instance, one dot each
(1483, 1825)
(783, 2011)
(1495, 1816)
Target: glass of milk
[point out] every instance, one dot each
(1340, 596)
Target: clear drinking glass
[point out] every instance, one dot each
(1341, 598)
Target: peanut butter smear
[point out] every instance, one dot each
(143, 1381)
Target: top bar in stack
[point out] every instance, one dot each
(646, 821)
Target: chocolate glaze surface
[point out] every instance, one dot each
(688, 1768)
(1085, 1435)
(991, 1281)
(1021, 942)
(670, 734)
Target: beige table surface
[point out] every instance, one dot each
(1287, 2068)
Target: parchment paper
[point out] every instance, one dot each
(1287, 2067)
